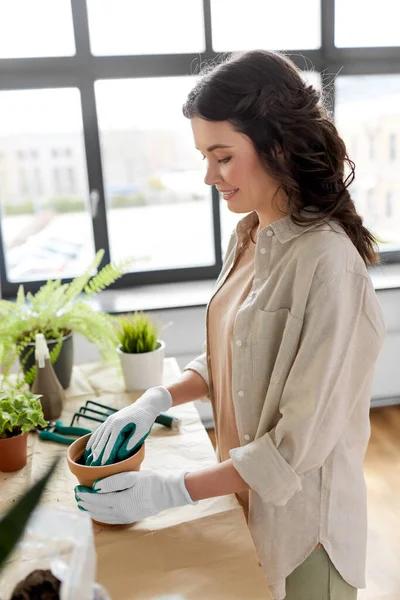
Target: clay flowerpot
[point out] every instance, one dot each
(13, 452)
(87, 475)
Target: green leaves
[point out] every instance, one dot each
(138, 333)
(14, 521)
(55, 310)
(19, 412)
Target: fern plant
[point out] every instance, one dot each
(137, 333)
(56, 310)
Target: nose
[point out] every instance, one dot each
(212, 176)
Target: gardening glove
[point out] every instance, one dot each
(130, 497)
(121, 433)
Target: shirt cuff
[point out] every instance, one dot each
(265, 470)
(199, 365)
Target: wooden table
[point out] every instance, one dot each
(186, 553)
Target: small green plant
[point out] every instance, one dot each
(137, 333)
(19, 412)
(56, 310)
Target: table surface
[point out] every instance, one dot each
(186, 553)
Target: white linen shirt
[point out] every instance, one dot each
(304, 348)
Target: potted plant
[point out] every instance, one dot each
(19, 412)
(141, 352)
(58, 310)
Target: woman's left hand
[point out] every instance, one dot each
(132, 496)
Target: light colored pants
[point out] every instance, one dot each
(317, 579)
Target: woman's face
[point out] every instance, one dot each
(234, 167)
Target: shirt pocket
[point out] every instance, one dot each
(275, 341)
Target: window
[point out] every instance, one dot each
(36, 219)
(153, 175)
(359, 23)
(111, 163)
(368, 106)
(151, 27)
(265, 24)
(33, 29)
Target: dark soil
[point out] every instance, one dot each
(38, 585)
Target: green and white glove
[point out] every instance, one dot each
(126, 429)
(130, 497)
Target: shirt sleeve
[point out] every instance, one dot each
(199, 364)
(341, 337)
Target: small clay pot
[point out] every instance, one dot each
(87, 475)
(13, 452)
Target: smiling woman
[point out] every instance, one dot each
(286, 152)
(235, 168)
(289, 360)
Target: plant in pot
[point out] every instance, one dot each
(57, 311)
(19, 412)
(141, 352)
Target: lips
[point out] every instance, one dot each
(228, 194)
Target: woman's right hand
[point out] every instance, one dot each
(123, 430)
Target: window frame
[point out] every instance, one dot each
(82, 71)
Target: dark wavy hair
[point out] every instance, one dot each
(262, 94)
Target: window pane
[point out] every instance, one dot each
(46, 225)
(244, 25)
(368, 117)
(230, 219)
(30, 29)
(123, 27)
(158, 208)
(377, 23)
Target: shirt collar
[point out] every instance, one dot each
(284, 229)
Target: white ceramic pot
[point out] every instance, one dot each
(144, 369)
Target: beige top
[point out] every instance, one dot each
(222, 314)
(304, 347)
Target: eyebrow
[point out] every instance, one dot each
(215, 146)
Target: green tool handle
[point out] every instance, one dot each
(168, 421)
(54, 437)
(79, 431)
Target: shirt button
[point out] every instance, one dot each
(263, 250)
(238, 342)
(270, 232)
(241, 393)
(247, 437)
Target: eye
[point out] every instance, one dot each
(224, 161)
(204, 158)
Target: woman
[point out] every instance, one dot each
(294, 330)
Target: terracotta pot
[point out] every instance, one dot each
(13, 452)
(87, 475)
